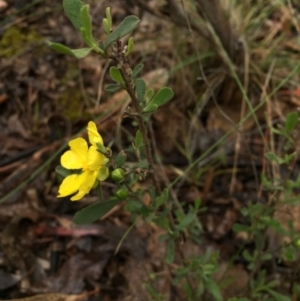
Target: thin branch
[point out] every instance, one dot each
(121, 59)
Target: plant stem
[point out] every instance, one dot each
(118, 55)
(125, 71)
(100, 194)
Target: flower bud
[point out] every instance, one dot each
(297, 243)
(118, 174)
(122, 193)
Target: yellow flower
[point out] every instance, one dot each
(89, 160)
(93, 134)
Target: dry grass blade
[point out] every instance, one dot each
(52, 297)
(214, 13)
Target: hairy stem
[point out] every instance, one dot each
(125, 71)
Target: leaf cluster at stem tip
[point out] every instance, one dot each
(79, 15)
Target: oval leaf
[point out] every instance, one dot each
(72, 9)
(112, 88)
(81, 53)
(116, 75)
(121, 159)
(139, 142)
(87, 25)
(61, 48)
(163, 222)
(150, 108)
(213, 288)
(162, 199)
(93, 212)
(125, 27)
(62, 171)
(149, 95)
(140, 87)
(78, 53)
(162, 96)
(108, 17)
(130, 46)
(170, 254)
(291, 121)
(138, 68)
(106, 25)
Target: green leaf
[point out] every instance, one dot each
(101, 148)
(240, 228)
(130, 46)
(72, 9)
(189, 291)
(200, 289)
(278, 296)
(163, 237)
(116, 75)
(106, 25)
(142, 164)
(150, 108)
(291, 121)
(246, 254)
(61, 48)
(272, 157)
(163, 222)
(81, 53)
(170, 253)
(137, 69)
(139, 142)
(125, 27)
(186, 221)
(277, 131)
(162, 199)
(162, 96)
(266, 183)
(197, 203)
(133, 207)
(140, 87)
(93, 212)
(149, 95)
(78, 53)
(87, 25)
(62, 171)
(121, 159)
(113, 88)
(238, 299)
(108, 18)
(213, 288)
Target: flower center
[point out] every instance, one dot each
(85, 167)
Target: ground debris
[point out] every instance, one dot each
(51, 297)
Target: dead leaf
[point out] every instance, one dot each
(3, 5)
(78, 269)
(8, 280)
(234, 278)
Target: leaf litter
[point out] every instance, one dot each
(43, 255)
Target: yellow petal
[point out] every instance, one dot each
(70, 160)
(103, 173)
(80, 148)
(93, 134)
(69, 185)
(87, 182)
(78, 196)
(95, 160)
